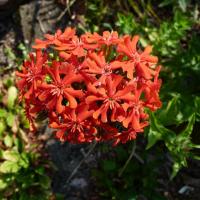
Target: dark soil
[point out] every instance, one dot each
(30, 21)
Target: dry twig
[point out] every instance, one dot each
(67, 9)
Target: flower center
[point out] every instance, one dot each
(107, 70)
(58, 90)
(136, 57)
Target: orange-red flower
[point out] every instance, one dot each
(136, 117)
(32, 72)
(109, 97)
(76, 125)
(59, 89)
(96, 65)
(140, 62)
(109, 38)
(57, 39)
(95, 87)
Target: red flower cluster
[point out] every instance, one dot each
(93, 87)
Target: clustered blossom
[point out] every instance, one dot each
(93, 87)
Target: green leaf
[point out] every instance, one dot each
(188, 130)
(1, 153)
(195, 157)
(48, 79)
(8, 140)
(9, 167)
(44, 182)
(175, 169)
(3, 184)
(183, 140)
(109, 165)
(165, 3)
(40, 171)
(24, 196)
(179, 147)
(157, 132)
(9, 52)
(59, 196)
(11, 155)
(10, 119)
(2, 128)
(126, 23)
(19, 144)
(153, 137)
(24, 50)
(197, 107)
(24, 161)
(8, 82)
(183, 4)
(168, 115)
(3, 113)
(195, 146)
(12, 95)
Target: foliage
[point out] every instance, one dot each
(22, 171)
(138, 179)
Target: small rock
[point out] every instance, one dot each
(79, 183)
(185, 189)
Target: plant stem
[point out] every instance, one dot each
(128, 160)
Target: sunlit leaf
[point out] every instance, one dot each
(12, 95)
(188, 130)
(11, 155)
(10, 119)
(157, 132)
(24, 161)
(175, 169)
(8, 140)
(9, 167)
(166, 3)
(3, 184)
(3, 112)
(183, 4)
(2, 128)
(9, 52)
(170, 113)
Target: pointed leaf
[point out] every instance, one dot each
(2, 128)
(24, 161)
(9, 167)
(11, 155)
(3, 184)
(188, 130)
(3, 113)
(12, 95)
(10, 119)
(8, 140)
(176, 167)
(170, 112)
(183, 4)
(157, 132)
